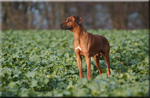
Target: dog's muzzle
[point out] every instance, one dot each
(65, 27)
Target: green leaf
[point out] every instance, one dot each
(102, 76)
(24, 92)
(81, 92)
(13, 85)
(67, 93)
(49, 94)
(34, 83)
(46, 80)
(30, 74)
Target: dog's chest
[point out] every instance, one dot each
(78, 47)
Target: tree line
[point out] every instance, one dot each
(49, 15)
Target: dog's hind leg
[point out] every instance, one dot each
(106, 57)
(96, 58)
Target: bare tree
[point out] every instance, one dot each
(30, 16)
(144, 15)
(118, 13)
(19, 15)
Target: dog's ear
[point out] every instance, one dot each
(78, 20)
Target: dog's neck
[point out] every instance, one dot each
(78, 33)
(78, 29)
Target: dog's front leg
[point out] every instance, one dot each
(88, 62)
(79, 62)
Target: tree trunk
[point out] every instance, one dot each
(30, 17)
(53, 16)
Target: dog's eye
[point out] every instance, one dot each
(69, 20)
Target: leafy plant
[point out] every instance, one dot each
(43, 63)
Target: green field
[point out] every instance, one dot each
(43, 63)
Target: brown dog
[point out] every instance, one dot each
(87, 45)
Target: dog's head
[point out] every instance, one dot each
(71, 22)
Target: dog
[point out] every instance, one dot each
(87, 45)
